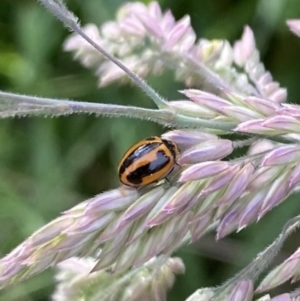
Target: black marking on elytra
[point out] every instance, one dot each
(136, 177)
(136, 154)
(170, 145)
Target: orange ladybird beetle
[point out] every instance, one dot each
(148, 161)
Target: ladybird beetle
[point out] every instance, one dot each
(147, 161)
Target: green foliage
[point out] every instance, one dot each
(49, 165)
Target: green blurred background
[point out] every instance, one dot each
(49, 165)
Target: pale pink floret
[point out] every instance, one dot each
(253, 202)
(47, 232)
(230, 218)
(187, 138)
(237, 185)
(180, 32)
(189, 108)
(282, 123)
(180, 231)
(137, 22)
(263, 106)
(225, 58)
(203, 170)
(242, 291)
(157, 215)
(76, 42)
(266, 175)
(256, 126)
(124, 37)
(294, 180)
(265, 79)
(129, 26)
(271, 88)
(279, 95)
(209, 52)
(206, 99)
(167, 21)
(111, 29)
(205, 205)
(107, 201)
(155, 10)
(141, 206)
(198, 226)
(289, 110)
(85, 52)
(279, 190)
(244, 48)
(182, 197)
(282, 155)
(220, 181)
(294, 26)
(170, 35)
(247, 56)
(260, 146)
(240, 114)
(111, 72)
(207, 151)
(75, 280)
(91, 223)
(282, 273)
(151, 25)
